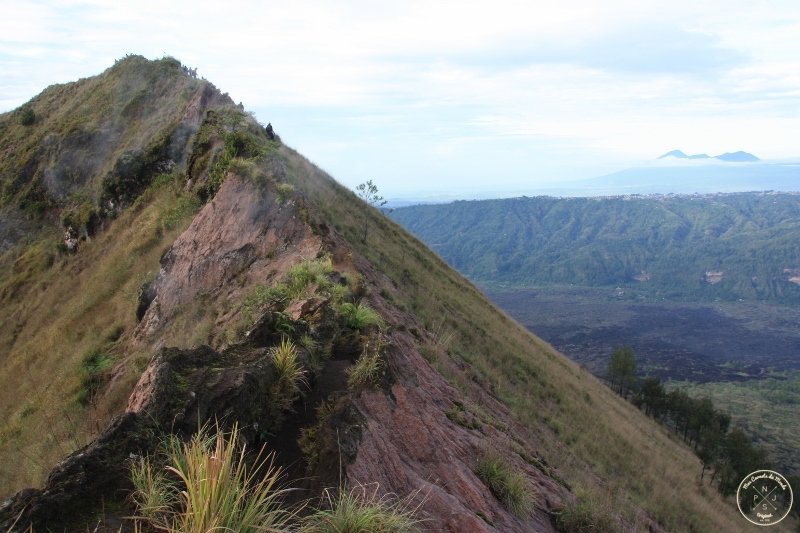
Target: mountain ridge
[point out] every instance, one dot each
(659, 245)
(165, 309)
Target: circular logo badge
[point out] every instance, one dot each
(764, 497)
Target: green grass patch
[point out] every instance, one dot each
(508, 485)
(284, 191)
(93, 374)
(361, 509)
(585, 515)
(360, 316)
(307, 276)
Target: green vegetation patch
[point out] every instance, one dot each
(359, 509)
(368, 368)
(93, 374)
(725, 246)
(586, 515)
(765, 408)
(360, 316)
(210, 487)
(507, 484)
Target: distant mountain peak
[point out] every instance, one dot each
(675, 153)
(737, 157)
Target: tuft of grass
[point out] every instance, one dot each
(304, 277)
(258, 299)
(339, 293)
(284, 191)
(155, 495)
(585, 515)
(361, 509)
(360, 316)
(366, 371)
(93, 370)
(217, 490)
(290, 372)
(509, 486)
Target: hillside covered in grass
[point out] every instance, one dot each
(202, 272)
(698, 248)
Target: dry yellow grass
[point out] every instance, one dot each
(78, 304)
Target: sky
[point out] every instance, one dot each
(453, 99)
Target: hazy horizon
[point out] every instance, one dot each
(454, 98)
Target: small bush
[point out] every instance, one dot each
(259, 298)
(283, 190)
(26, 116)
(509, 486)
(360, 316)
(309, 440)
(360, 510)
(339, 293)
(93, 369)
(246, 168)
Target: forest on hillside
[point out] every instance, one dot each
(673, 247)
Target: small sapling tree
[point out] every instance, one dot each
(368, 192)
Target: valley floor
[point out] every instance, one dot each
(743, 355)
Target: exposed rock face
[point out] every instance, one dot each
(409, 444)
(243, 233)
(413, 443)
(80, 482)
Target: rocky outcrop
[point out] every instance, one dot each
(245, 234)
(409, 445)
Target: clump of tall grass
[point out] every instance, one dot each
(367, 369)
(304, 276)
(509, 486)
(290, 373)
(94, 367)
(361, 509)
(585, 515)
(155, 494)
(207, 486)
(359, 316)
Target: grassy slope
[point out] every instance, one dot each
(631, 460)
(57, 308)
(78, 304)
(609, 241)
